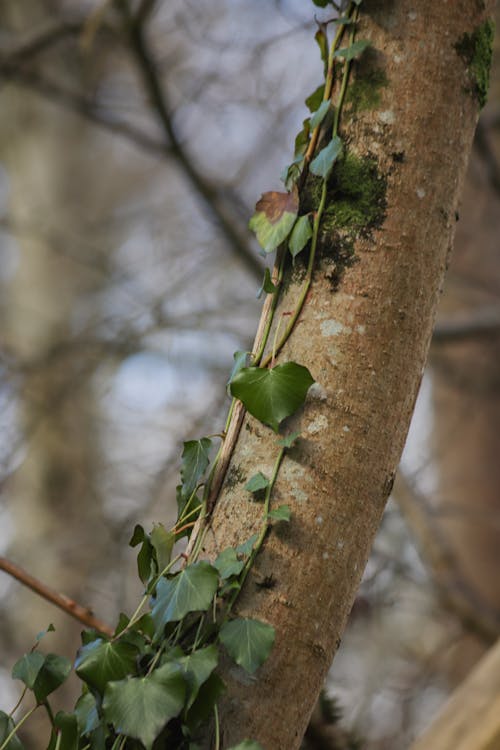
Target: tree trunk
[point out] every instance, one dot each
(364, 334)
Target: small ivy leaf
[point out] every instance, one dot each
(43, 633)
(101, 662)
(289, 440)
(194, 462)
(6, 727)
(251, 744)
(314, 100)
(302, 138)
(257, 483)
(302, 233)
(86, 713)
(322, 42)
(272, 395)
(274, 217)
(27, 668)
(349, 53)
(203, 706)
(320, 4)
(267, 285)
(139, 707)
(245, 549)
(247, 641)
(196, 669)
(145, 566)
(281, 513)
(54, 671)
(320, 114)
(67, 725)
(191, 590)
(138, 536)
(240, 361)
(228, 564)
(323, 163)
(163, 544)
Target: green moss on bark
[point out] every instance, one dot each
(476, 50)
(365, 91)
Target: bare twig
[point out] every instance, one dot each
(83, 614)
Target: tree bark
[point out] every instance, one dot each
(365, 340)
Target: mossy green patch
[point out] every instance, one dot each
(356, 195)
(476, 50)
(365, 91)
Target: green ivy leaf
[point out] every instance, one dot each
(257, 483)
(267, 285)
(289, 440)
(207, 698)
(349, 53)
(240, 361)
(145, 563)
(228, 564)
(281, 513)
(322, 42)
(139, 707)
(320, 114)
(196, 669)
(27, 668)
(100, 662)
(314, 100)
(274, 218)
(302, 233)
(320, 4)
(248, 642)
(67, 725)
(163, 543)
(323, 163)
(194, 462)
(6, 727)
(191, 590)
(245, 549)
(251, 744)
(86, 713)
(272, 395)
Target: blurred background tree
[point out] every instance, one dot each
(129, 165)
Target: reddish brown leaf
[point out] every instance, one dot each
(274, 204)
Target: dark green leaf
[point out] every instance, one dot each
(274, 217)
(314, 100)
(323, 163)
(139, 707)
(320, 114)
(257, 482)
(101, 662)
(67, 725)
(322, 42)
(281, 513)
(6, 727)
(246, 548)
(54, 671)
(228, 563)
(203, 706)
(190, 590)
(138, 536)
(302, 138)
(248, 642)
(302, 233)
(86, 713)
(251, 744)
(349, 53)
(240, 361)
(197, 668)
(163, 543)
(320, 4)
(267, 287)
(145, 563)
(289, 440)
(272, 395)
(27, 668)
(194, 462)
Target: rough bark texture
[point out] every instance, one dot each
(364, 334)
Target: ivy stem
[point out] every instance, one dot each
(50, 713)
(217, 728)
(17, 727)
(19, 701)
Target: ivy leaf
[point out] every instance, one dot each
(322, 42)
(349, 53)
(320, 4)
(289, 440)
(197, 668)
(281, 513)
(194, 462)
(246, 548)
(68, 731)
(27, 668)
(206, 699)
(257, 483)
(267, 285)
(302, 233)
(240, 361)
(191, 590)
(274, 218)
(228, 564)
(323, 163)
(100, 662)
(163, 544)
(6, 727)
(314, 100)
(86, 713)
(139, 707)
(247, 641)
(320, 114)
(272, 395)
(43, 633)
(251, 744)
(145, 556)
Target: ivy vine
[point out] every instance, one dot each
(154, 683)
